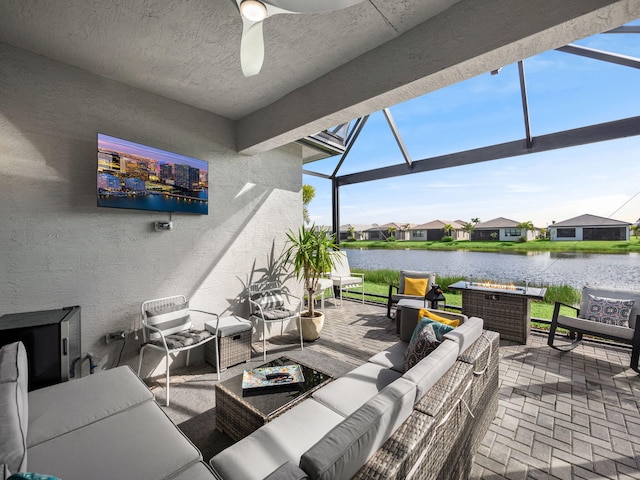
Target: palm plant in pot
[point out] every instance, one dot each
(309, 252)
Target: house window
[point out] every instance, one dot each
(566, 233)
(512, 232)
(418, 233)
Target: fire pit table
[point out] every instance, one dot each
(505, 309)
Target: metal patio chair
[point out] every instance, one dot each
(270, 303)
(598, 306)
(167, 327)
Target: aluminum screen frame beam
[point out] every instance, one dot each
(602, 132)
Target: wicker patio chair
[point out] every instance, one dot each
(167, 327)
(399, 292)
(606, 313)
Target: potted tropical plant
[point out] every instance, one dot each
(309, 252)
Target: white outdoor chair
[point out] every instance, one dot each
(325, 285)
(167, 326)
(270, 303)
(601, 317)
(343, 277)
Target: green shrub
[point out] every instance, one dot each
(446, 239)
(522, 239)
(383, 277)
(562, 293)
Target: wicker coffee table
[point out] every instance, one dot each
(239, 412)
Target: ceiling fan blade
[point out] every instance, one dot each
(311, 6)
(251, 48)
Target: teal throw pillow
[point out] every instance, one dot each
(440, 329)
(31, 476)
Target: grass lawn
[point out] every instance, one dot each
(539, 309)
(590, 246)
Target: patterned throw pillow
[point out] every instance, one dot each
(422, 343)
(612, 311)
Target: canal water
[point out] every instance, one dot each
(547, 268)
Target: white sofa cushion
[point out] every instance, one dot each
(349, 392)
(343, 451)
(140, 442)
(596, 327)
(392, 357)
(429, 370)
(86, 401)
(198, 471)
(14, 406)
(467, 333)
(282, 440)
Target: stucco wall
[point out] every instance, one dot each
(57, 248)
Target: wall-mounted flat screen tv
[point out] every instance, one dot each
(136, 176)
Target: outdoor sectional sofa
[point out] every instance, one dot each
(101, 426)
(378, 421)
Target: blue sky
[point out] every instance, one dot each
(564, 91)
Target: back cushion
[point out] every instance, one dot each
(14, 406)
(170, 319)
(343, 451)
(270, 300)
(615, 294)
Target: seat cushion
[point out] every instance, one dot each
(596, 327)
(392, 357)
(184, 339)
(349, 392)
(282, 440)
(229, 326)
(140, 442)
(198, 471)
(279, 314)
(87, 400)
(343, 450)
(14, 406)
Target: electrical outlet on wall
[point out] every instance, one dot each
(113, 336)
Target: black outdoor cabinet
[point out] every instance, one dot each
(52, 341)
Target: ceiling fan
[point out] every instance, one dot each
(253, 13)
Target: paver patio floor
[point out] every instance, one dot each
(569, 415)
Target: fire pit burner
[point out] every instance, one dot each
(505, 309)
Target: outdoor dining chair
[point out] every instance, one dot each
(270, 303)
(343, 277)
(167, 326)
(606, 313)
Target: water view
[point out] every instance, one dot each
(550, 268)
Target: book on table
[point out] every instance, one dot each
(268, 377)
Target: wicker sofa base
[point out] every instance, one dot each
(440, 438)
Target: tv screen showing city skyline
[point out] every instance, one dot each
(135, 176)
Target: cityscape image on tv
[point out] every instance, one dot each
(136, 176)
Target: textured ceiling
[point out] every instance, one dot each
(319, 69)
(189, 50)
